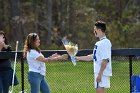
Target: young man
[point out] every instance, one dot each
(101, 57)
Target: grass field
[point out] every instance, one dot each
(63, 77)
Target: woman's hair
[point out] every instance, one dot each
(101, 25)
(2, 33)
(30, 43)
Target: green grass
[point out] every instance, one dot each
(63, 77)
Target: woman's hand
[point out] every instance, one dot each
(59, 57)
(2, 43)
(55, 55)
(64, 57)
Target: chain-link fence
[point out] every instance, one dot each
(63, 77)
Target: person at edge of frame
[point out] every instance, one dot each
(6, 71)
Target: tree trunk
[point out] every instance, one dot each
(15, 21)
(63, 17)
(35, 11)
(1, 15)
(49, 21)
(71, 19)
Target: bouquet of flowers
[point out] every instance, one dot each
(71, 48)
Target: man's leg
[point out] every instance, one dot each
(101, 86)
(100, 90)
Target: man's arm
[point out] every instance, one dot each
(103, 66)
(85, 58)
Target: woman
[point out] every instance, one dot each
(36, 62)
(6, 71)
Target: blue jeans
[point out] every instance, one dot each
(38, 83)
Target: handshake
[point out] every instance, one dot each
(57, 57)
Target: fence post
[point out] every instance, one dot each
(22, 75)
(130, 71)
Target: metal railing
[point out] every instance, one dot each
(129, 53)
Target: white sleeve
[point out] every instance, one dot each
(35, 54)
(105, 51)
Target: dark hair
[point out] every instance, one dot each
(2, 33)
(101, 25)
(30, 43)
